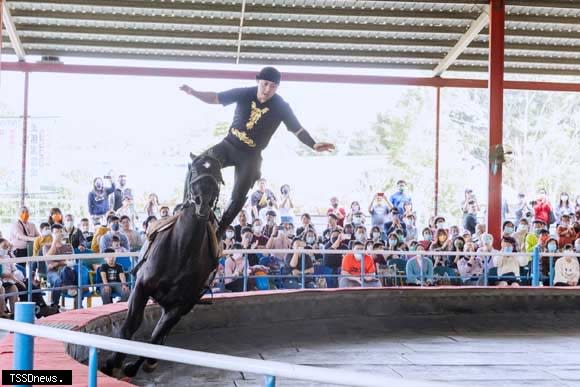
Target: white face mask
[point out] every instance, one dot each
(310, 240)
(69, 224)
(3, 252)
(45, 233)
(281, 232)
(230, 234)
(376, 235)
(358, 256)
(257, 229)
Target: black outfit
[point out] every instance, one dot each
(333, 260)
(252, 128)
(113, 273)
(390, 228)
(76, 238)
(469, 223)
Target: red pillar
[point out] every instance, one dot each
(437, 137)
(496, 72)
(24, 140)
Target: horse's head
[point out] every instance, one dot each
(203, 185)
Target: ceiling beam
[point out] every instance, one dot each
(15, 42)
(463, 42)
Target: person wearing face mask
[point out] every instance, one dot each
(56, 268)
(427, 235)
(399, 198)
(354, 208)
(379, 208)
(486, 246)
(564, 207)
(259, 239)
(442, 241)
(395, 223)
(333, 261)
(114, 230)
(229, 238)
(567, 269)
(279, 240)
(98, 199)
(470, 267)
(531, 239)
(458, 245)
(23, 233)
(542, 207)
(508, 229)
(509, 267)
(234, 270)
(358, 219)
(351, 269)
(419, 270)
(337, 210)
(376, 235)
(73, 235)
(565, 231)
(242, 223)
(87, 234)
(410, 228)
(520, 234)
(45, 238)
(270, 222)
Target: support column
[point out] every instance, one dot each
(496, 87)
(437, 139)
(24, 141)
(1, 26)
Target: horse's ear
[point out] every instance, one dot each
(192, 156)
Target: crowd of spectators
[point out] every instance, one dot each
(382, 232)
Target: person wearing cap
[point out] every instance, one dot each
(259, 113)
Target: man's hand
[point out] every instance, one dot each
(186, 89)
(125, 288)
(323, 146)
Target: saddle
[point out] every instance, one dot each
(168, 223)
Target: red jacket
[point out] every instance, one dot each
(542, 211)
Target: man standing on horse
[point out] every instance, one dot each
(259, 113)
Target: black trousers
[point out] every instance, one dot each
(248, 164)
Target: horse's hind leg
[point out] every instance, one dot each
(137, 303)
(167, 321)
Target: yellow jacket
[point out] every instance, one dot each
(97, 238)
(39, 242)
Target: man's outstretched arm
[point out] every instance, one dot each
(205, 96)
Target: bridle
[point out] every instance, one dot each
(195, 177)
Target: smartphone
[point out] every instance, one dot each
(381, 194)
(346, 236)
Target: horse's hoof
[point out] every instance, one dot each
(150, 367)
(130, 370)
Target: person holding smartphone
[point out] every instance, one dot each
(379, 209)
(99, 198)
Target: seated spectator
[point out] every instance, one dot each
(23, 233)
(508, 267)
(521, 231)
(73, 235)
(379, 210)
(242, 223)
(393, 243)
(272, 209)
(114, 230)
(565, 231)
(258, 236)
(334, 261)
(99, 232)
(306, 225)
(419, 270)
(113, 278)
(352, 268)
(234, 270)
(133, 237)
(442, 242)
(395, 223)
(567, 269)
(86, 233)
(348, 234)
(457, 246)
(410, 227)
(360, 233)
(298, 264)
(376, 235)
(12, 300)
(332, 225)
(270, 220)
(453, 232)
(427, 234)
(471, 268)
(116, 245)
(12, 279)
(479, 231)
(508, 229)
(55, 217)
(163, 212)
(229, 238)
(279, 240)
(59, 274)
(45, 238)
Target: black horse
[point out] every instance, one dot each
(177, 264)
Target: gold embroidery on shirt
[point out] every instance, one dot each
(243, 137)
(255, 115)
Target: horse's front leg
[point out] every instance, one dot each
(171, 316)
(137, 302)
